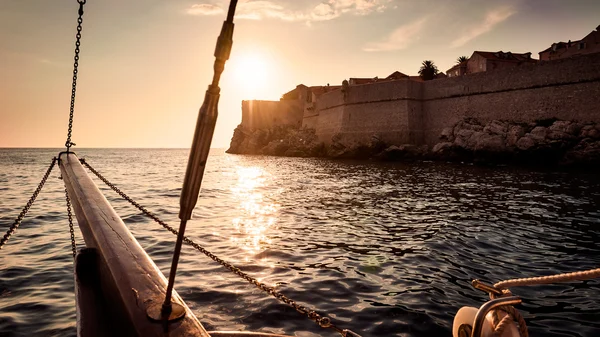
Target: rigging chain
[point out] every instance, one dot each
(69, 143)
(70, 216)
(324, 322)
(21, 215)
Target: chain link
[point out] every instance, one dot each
(21, 215)
(324, 322)
(69, 143)
(70, 217)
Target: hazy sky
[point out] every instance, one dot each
(145, 64)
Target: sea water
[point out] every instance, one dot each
(383, 249)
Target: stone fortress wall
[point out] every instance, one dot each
(411, 112)
(258, 114)
(567, 89)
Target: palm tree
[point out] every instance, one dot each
(428, 70)
(462, 59)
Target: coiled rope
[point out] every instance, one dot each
(501, 289)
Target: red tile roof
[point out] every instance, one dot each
(506, 56)
(396, 75)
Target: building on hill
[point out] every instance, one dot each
(485, 61)
(300, 92)
(420, 79)
(458, 70)
(588, 45)
(396, 75)
(362, 80)
(316, 91)
(289, 110)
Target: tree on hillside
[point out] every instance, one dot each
(428, 70)
(462, 59)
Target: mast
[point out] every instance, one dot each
(205, 127)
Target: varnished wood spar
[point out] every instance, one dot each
(129, 280)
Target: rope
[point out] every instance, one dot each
(566, 277)
(323, 322)
(69, 143)
(502, 325)
(21, 215)
(513, 314)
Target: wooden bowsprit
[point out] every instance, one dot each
(116, 281)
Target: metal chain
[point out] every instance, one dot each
(69, 143)
(21, 215)
(70, 217)
(324, 322)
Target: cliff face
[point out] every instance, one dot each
(545, 142)
(282, 140)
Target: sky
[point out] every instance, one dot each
(145, 64)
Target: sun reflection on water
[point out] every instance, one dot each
(258, 214)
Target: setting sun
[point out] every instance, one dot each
(251, 74)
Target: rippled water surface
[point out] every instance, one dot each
(385, 250)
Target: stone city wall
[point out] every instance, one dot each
(566, 89)
(405, 111)
(258, 114)
(362, 111)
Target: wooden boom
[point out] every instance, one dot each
(116, 281)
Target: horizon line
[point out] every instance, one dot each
(82, 148)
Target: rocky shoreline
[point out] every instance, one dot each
(547, 142)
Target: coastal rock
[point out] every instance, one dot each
(514, 133)
(496, 128)
(525, 143)
(586, 152)
(468, 124)
(544, 142)
(447, 135)
(490, 143)
(590, 131)
(282, 140)
(473, 140)
(405, 151)
(462, 137)
(563, 130)
(538, 134)
(442, 147)
(275, 148)
(239, 135)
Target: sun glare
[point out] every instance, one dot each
(251, 74)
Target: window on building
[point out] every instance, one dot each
(581, 45)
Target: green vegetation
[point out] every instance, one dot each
(461, 59)
(428, 70)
